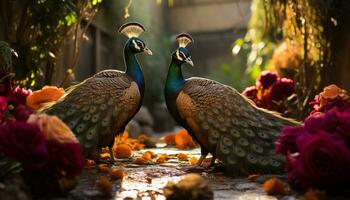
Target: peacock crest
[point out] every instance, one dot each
(184, 39)
(132, 29)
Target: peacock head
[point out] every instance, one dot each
(181, 54)
(133, 30)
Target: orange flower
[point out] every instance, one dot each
(105, 186)
(183, 140)
(45, 95)
(193, 160)
(116, 173)
(141, 161)
(122, 151)
(332, 92)
(161, 160)
(170, 139)
(274, 186)
(182, 156)
(147, 155)
(53, 128)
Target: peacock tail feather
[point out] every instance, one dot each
(98, 108)
(235, 131)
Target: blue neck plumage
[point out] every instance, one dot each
(175, 80)
(133, 68)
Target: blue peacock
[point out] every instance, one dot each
(99, 107)
(222, 121)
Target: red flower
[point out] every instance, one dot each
(267, 78)
(25, 143)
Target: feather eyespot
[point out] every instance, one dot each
(252, 159)
(275, 163)
(70, 112)
(257, 148)
(80, 128)
(235, 133)
(224, 149)
(249, 133)
(263, 161)
(243, 142)
(239, 152)
(231, 159)
(94, 118)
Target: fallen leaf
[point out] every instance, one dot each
(193, 160)
(182, 157)
(103, 168)
(116, 173)
(274, 186)
(104, 186)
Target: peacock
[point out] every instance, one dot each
(222, 121)
(99, 107)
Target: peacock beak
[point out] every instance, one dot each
(189, 61)
(148, 51)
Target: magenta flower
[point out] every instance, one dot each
(283, 88)
(267, 78)
(22, 112)
(250, 92)
(324, 158)
(20, 94)
(25, 143)
(286, 142)
(66, 158)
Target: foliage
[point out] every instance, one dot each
(37, 29)
(257, 46)
(314, 26)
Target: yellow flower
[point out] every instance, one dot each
(45, 95)
(53, 128)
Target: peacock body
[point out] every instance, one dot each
(99, 107)
(224, 123)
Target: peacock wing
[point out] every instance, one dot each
(231, 127)
(98, 108)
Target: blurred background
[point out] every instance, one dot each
(64, 42)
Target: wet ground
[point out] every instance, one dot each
(146, 181)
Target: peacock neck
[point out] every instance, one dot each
(175, 80)
(133, 69)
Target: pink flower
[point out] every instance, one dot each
(267, 78)
(19, 95)
(25, 143)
